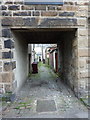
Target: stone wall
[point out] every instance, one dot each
(72, 14)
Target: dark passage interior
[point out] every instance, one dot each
(46, 94)
(66, 41)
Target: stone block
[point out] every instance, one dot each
(66, 14)
(3, 7)
(36, 13)
(7, 55)
(51, 7)
(18, 2)
(7, 87)
(89, 33)
(82, 21)
(9, 66)
(83, 8)
(83, 42)
(58, 22)
(0, 46)
(71, 8)
(8, 2)
(13, 65)
(82, 2)
(82, 63)
(83, 32)
(18, 21)
(83, 53)
(69, 3)
(14, 7)
(0, 55)
(20, 14)
(40, 7)
(44, 21)
(88, 20)
(61, 8)
(0, 63)
(49, 13)
(9, 44)
(12, 21)
(0, 69)
(1, 89)
(0, 32)
(26, 7)
(30, 21)
(6, 33)
(81, 14)
(29, 13)
(89, 12)
(88, 66)
(88, 61)
(87, 3)
(0, 78)
(84, 74)
(4, 13)
(1, 85)
(7, 21)
(6, 77)
(0, 40)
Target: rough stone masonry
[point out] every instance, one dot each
(72, 14)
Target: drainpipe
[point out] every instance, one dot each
(34, 51)
(42, 52)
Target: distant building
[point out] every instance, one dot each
(52, 57)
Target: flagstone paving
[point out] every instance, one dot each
(44, 96)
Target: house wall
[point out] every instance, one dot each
(51, 59)
(21, 56)
(70, 58)
(72, 14)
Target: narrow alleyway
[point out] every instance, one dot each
(44, 96)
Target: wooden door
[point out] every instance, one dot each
(56, 61)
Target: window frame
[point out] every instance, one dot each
(40, 2)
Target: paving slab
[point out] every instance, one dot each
(45, 106)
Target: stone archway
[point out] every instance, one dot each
(36, 17)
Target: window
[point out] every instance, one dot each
(27, 2)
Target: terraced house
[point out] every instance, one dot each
(65, 23)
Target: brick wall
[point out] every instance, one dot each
(73, 14)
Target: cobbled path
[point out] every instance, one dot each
(45, 86)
